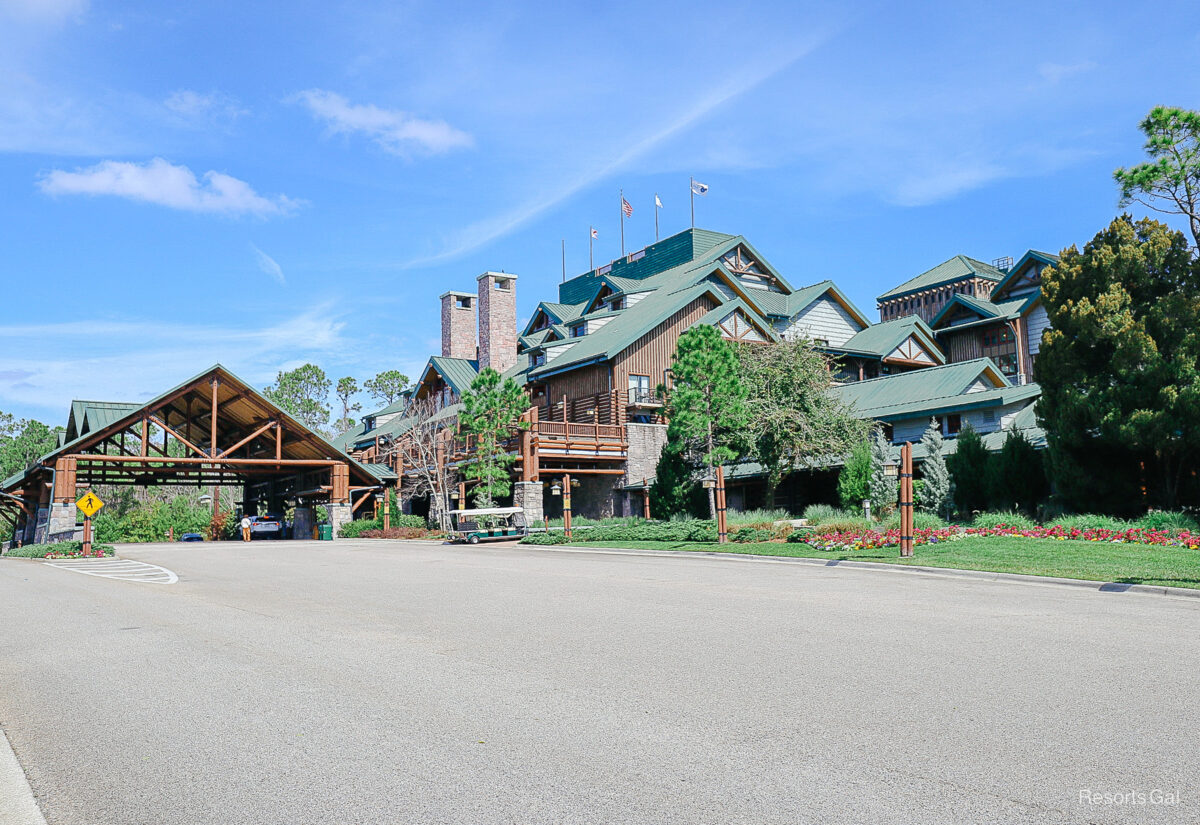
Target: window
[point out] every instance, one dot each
(579, 330)
(951, 424)
(617, 303)
(536, 359)
(889, 432)
(1007, 363)
(639, 389)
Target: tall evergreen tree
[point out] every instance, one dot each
(1119, 368)
(1020, 474)
(970, 469)
(386, 386)
(1170, 181)
(492, 409)
(884, 487)
(854, 481)
(347, 388)
(303, 393)
(707, 401)
(935, 492)
(676, 488)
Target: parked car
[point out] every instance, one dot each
(191, 537)
(266, 527)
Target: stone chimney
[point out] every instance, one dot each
(458, 325)
(497, 320)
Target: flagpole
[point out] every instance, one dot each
(656, 217)
(692, 196)
(564, 259)
(591, 237)
(621, 207)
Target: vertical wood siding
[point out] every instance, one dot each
(651, 354)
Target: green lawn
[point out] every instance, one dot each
(1097, 561)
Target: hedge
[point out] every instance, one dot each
(645, 531)
(357, 529)
(64, 549)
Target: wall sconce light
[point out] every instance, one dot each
(555, 489)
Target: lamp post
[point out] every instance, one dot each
(567, 504)
(717, 485)
(387, 510)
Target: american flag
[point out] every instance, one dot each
(626, 207)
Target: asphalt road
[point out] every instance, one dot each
(360, 682)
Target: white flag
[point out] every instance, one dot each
(699, 188)
(657, 202)
(595, 234)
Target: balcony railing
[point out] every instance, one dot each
(644, 398)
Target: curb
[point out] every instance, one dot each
(17, 803)
(882, 567)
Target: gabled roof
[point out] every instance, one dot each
(931, 390)
(94, 415)
(718, 313)
(558, 314)
(988, 311)
(958, 268)
(457, 372)
(1015, 271)
(881, 339)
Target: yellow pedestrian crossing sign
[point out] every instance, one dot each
(90, 504)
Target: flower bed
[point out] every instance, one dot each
(868, 539)
(58, 550)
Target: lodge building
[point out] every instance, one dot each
(956, 343)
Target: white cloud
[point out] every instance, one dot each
(396, 131)
(268, 265)
(193, 107)
(166, 184)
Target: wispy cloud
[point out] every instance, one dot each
(1056, 72)
(133, 360)
(397, 132)
(194, 108)
(167, 184)
(43, 10)
(268, 265)
(591, 171)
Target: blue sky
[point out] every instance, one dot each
(264, 184)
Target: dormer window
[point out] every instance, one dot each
(537, 359)
(579, 330)
(617, 303)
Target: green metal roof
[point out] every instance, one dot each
(1031, 255)
(87, 416)
(881, 339)
(928, 390)
(457, 372)
(988, 311)
(957, 268)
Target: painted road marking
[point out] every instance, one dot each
(124, 569)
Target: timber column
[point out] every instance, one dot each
(62, 505)
(339, 498)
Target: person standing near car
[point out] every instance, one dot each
(245, 528)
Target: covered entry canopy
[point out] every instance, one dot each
(213, 429)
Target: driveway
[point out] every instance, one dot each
(379, 682)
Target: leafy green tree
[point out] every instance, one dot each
(970, 468)
(387, 386)
(935, 492)
(1170, 181)
(854, 481)
(1020, 474)
(794, 420)
(347, 388)
(23, 442)
(707, 402)
(303, 393)
(492, 408)
(1120, 367)
(884, 488)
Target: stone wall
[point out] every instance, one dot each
(458, 325)
(645, 446)
(497, 320)
(595, 497)
(528, 494)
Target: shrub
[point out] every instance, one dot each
(758, 517)
(355, 529)
(854, 481)
(846, 524)
(1089, 521)
(61, 548)
(818, 513)
(694, 530)
(744, 535)
(921, 521)
(992, 520)
(1167, 520)
(398, 533)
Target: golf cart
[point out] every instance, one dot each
(488, 524)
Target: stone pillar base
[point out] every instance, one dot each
(528, 494)
(339, 514)
(62, 522)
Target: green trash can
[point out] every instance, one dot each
(325, 532)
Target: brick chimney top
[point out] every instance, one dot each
(497, 320)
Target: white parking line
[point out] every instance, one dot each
(124, 569)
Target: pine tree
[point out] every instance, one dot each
(1020, 478)
(707, 401)
(970, 468)
(854, 481)
(935, 493)
(491, 410)
(884, 488)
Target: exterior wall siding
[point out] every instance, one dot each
(825, 319)
(1038, 322)
(651, 354)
